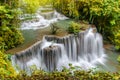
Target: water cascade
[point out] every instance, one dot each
(84, 49)
(40, 19)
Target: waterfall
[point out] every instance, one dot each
(84, 49)
(40, 20)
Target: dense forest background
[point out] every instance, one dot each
(104, 14)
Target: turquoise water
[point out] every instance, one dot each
(29, 35)
(111, 63)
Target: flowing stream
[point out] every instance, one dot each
(41, 19)
(84, 49)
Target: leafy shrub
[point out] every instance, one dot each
(74, 28)
(117, 40)
(6, 69)
(2, 44)
(118, 59)
(10, 36)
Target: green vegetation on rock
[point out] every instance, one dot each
(74, 28)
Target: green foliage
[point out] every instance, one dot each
(104, 14)
(10, 3)
(6, 69)
(117, 40)
(114, 36)
(74, 28)
(68, 74)
(10, 36)
(54, 28)
(118, 59)
(73, 73)
(31, 6)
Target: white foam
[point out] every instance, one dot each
(39, 21)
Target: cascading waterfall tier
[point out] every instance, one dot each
(50, 57)
(40, 20)
(84, 49)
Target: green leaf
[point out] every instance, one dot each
(112, 22)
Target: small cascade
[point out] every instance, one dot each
(40, 19)
(84, 50)
(44, 55)
(48, 15)
(50, 57)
